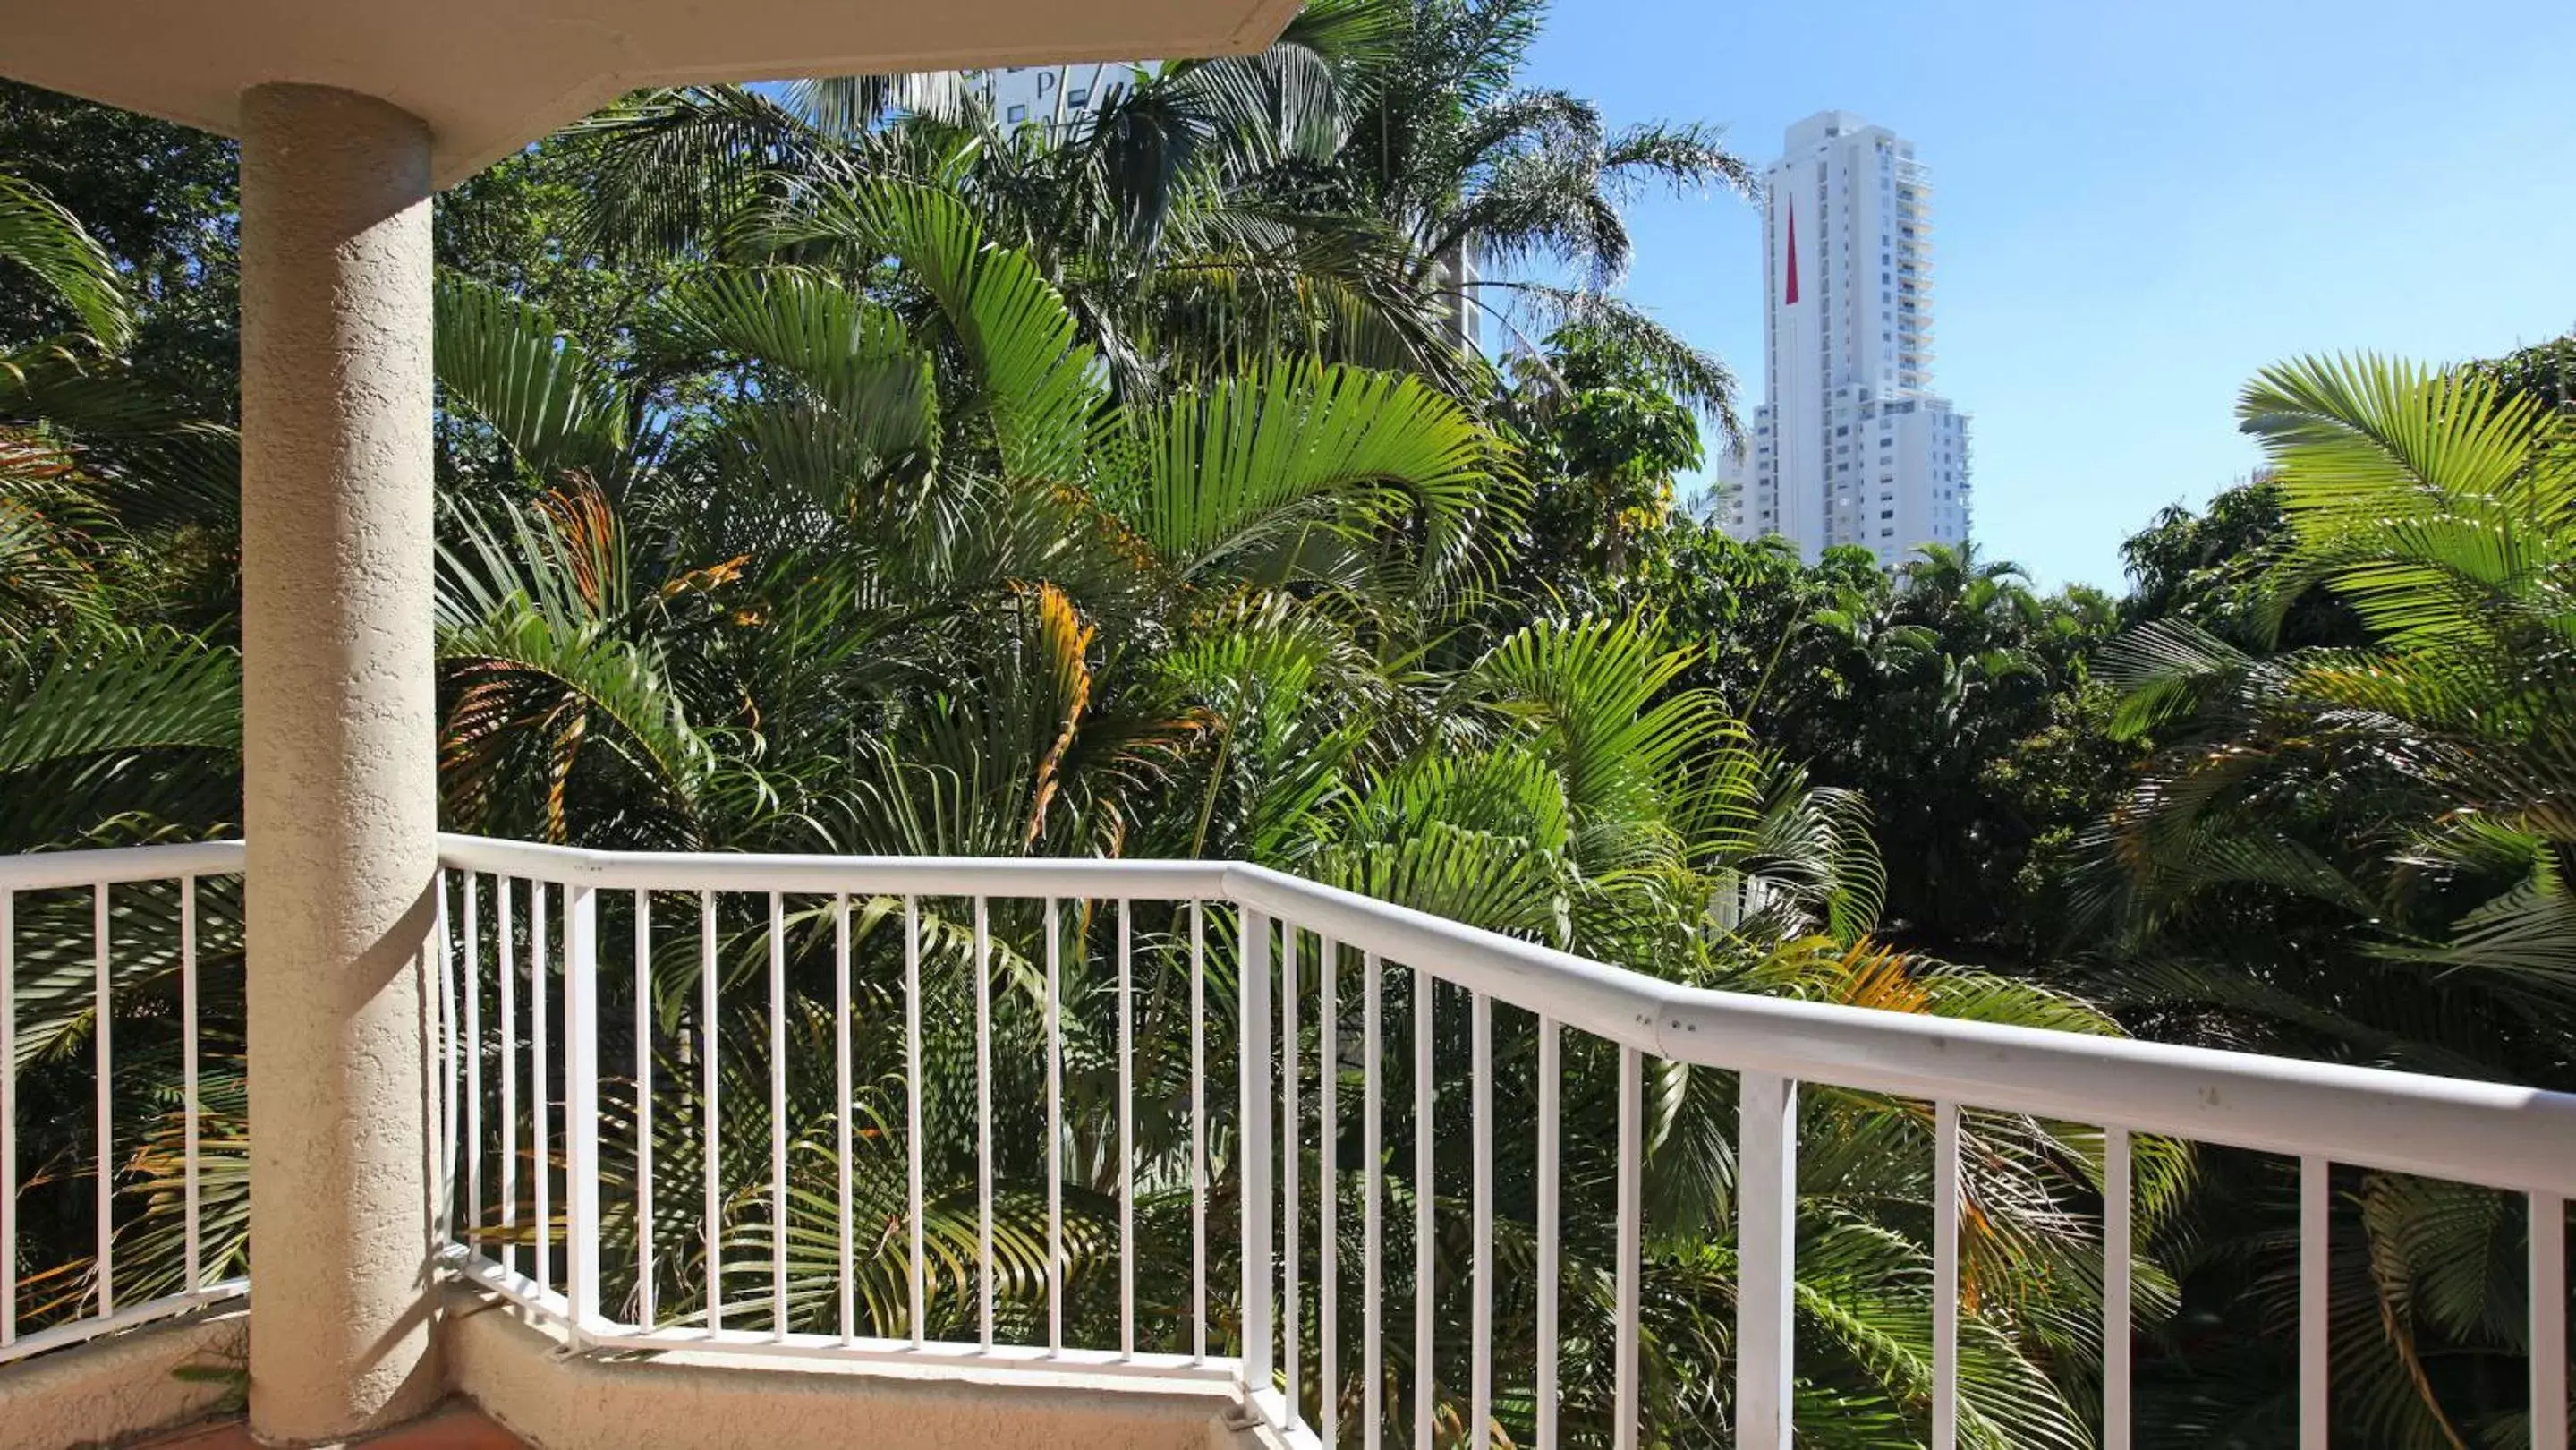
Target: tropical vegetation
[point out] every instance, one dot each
(836, 468)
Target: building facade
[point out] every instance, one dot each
(1053, 96)
(1852, 447)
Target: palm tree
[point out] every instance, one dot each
(1481, 173)
(2362, 852)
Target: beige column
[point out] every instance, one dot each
(338, 712)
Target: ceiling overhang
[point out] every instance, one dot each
(490, 76)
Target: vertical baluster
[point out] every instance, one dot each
(104, 1018)
(8, 1116)
(1945, 1276)
(1126, 1131)
(473, 1065)
(1766, 1205)
(2315, 1299)
(540, 1085)
(1252, 1059)
(984, 1117)
(841, 1072)
(1632, 1248)
(191, 1207)
(2117, 1196)
(581, 1106)
(1291, 1140)
(1198, 1131)
(507, 932)
(644, 1315)
(442, 1193)
(2548, 1322)
(710, 1143)
(1480, 1316)
(1055, 1127)
(1425, 1189)
(778, 1115)
(920, 1279)
(1328, 1184)
(1550, 1268)
(1373, 1173)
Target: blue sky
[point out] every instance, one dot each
(2135, 207)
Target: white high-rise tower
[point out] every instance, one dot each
(1853, 447)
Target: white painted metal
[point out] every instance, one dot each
(2473, 1132)
(1548, 1232)
(778, 1114)
(119, 865)
(102, 1017)
(8, 1117)
(1425, 1192)
(1055, 1126)
(1292, 1134)
(920, 1287)
(644, 1315)
(1632, 1248)
(581, 1108)
(1480, 1316)
(509, 1130)
(1198, 1131)
(984, 1119)
(1252, 1056)
(1029, 879)
(2548, 1322)
(2316, 1231)
(847, 1212)
(1328, 1187)
(540, 1086)
(473, 1143)
(1126, 1129)
(1766, 1226)
(1372, 1151)
(190, 1206)
(710, 1143)
(1945, 1276)
(132, 1316)
(2118, 1251)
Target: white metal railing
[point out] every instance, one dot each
(1182, 1229)
(102, 986)
(897, 934)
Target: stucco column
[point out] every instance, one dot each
(338, 726)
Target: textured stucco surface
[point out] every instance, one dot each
(116, 1388)
(517, 1374)
(337, 742)
(492, 75)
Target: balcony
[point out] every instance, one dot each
(739, 1147)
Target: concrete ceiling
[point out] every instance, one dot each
(489, 76)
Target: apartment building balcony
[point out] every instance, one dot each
(642, 1228)
(349, 1120)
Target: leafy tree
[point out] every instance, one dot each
(2358, 850)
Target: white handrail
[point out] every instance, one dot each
(119, 865)
(1103, 879)
(2476, 1132)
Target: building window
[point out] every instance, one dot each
(1018, 114)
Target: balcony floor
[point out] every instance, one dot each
(456, 1427)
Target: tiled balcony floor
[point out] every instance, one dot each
(454, 1428)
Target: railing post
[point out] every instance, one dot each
(1252, 1046)
(581, 1105)
(1766, 1206)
